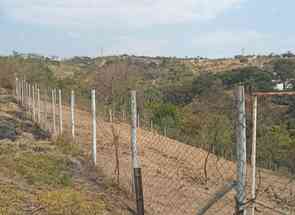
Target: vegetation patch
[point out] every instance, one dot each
(12, 199)
(68, 201)
(43, 169)
(66, 146)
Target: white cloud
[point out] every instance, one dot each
(115, 12)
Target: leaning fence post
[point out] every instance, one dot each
(93, 126)
(73, 113)
(241, 152)
(60, 112)
(253, 155)
(135, 159)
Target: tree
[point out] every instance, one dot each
(284, 70)
(249, 76)
(274, 145)
(205, 83)
(166, 115)
(114, 80)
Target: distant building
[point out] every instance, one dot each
(279, 85)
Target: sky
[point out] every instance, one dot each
(207, 28)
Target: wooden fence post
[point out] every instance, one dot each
(93, 126)
(137, 177)
(241, 152)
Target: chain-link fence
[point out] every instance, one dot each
(275, 183)
(185, 166)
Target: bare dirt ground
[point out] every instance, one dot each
(173, 176)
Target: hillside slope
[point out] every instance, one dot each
(173, 175)
(40, 176)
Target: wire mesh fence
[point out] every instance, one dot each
(275, 151)
(183, 167)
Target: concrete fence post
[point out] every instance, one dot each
(33, 103)
(23, 87)
(93, 126)
(124, 115)
(110, 115)
(30, 100)
(38, 104)
(73, 113)
(53, 110)
(137, 178)
(60, 112)
(25, 97)
(16, 88)
(27, 100)
(138, 120)
(152, 125)
(46, 103)
(241, 152)
(19, 91)
(22, 92)
(253, 155)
